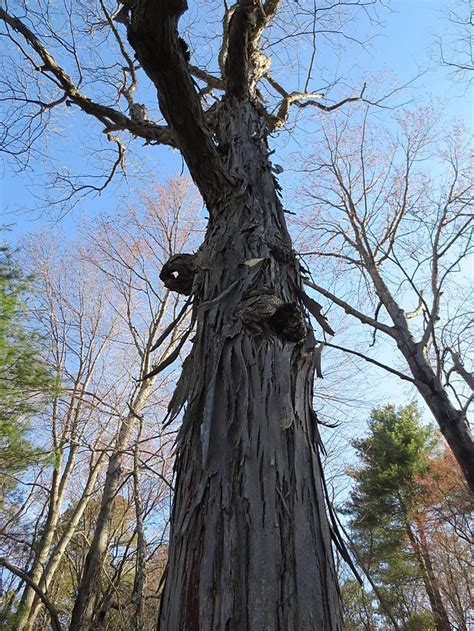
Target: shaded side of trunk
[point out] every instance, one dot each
(250, 544)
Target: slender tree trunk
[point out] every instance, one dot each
(430, 582)
(44, 547)
(57, 554)
(89, 588)
(138, 596)
(250, 545)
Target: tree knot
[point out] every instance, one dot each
(178, 273)
(264, 309)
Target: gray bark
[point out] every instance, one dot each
(138, 596)
(57, 553)
(452, 422)
(250, 545)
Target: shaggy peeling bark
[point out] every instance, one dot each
(250, 543)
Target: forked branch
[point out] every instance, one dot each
(112, 119)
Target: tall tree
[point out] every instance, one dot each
(391, 231)
(101, 348)
(132, 268)
(25, 380)
(250, 542)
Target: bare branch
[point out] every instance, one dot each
(368, 359)
(47, 603)
(351, 310)
(302, 100)
(109, 117)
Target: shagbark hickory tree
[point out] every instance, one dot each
(250, 541)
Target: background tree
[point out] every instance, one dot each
(130, 256)
(398, 525)
(99, 341)
(392, 241)
(25, 380)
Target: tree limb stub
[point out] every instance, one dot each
(178, 273)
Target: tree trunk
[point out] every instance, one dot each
(420, 548)
(89, 587)
(41, 554)
(68, 532)
(452, 422)
(139, 584)
(250, 544)
(90, 584)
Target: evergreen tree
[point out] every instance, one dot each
(387, 519)
(25, 379)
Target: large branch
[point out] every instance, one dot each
(55, 624)
(245, 63)
(365, 319)
(109, 117)
(152, 32)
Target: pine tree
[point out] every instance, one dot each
(387, 519)
(25, 379)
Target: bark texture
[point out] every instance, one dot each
(250, 543)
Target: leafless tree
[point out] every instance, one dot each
(397, 241)
(128, 258)
(455, 45)
(79, 330)
(102, 350)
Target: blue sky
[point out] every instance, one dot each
(401, 47)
